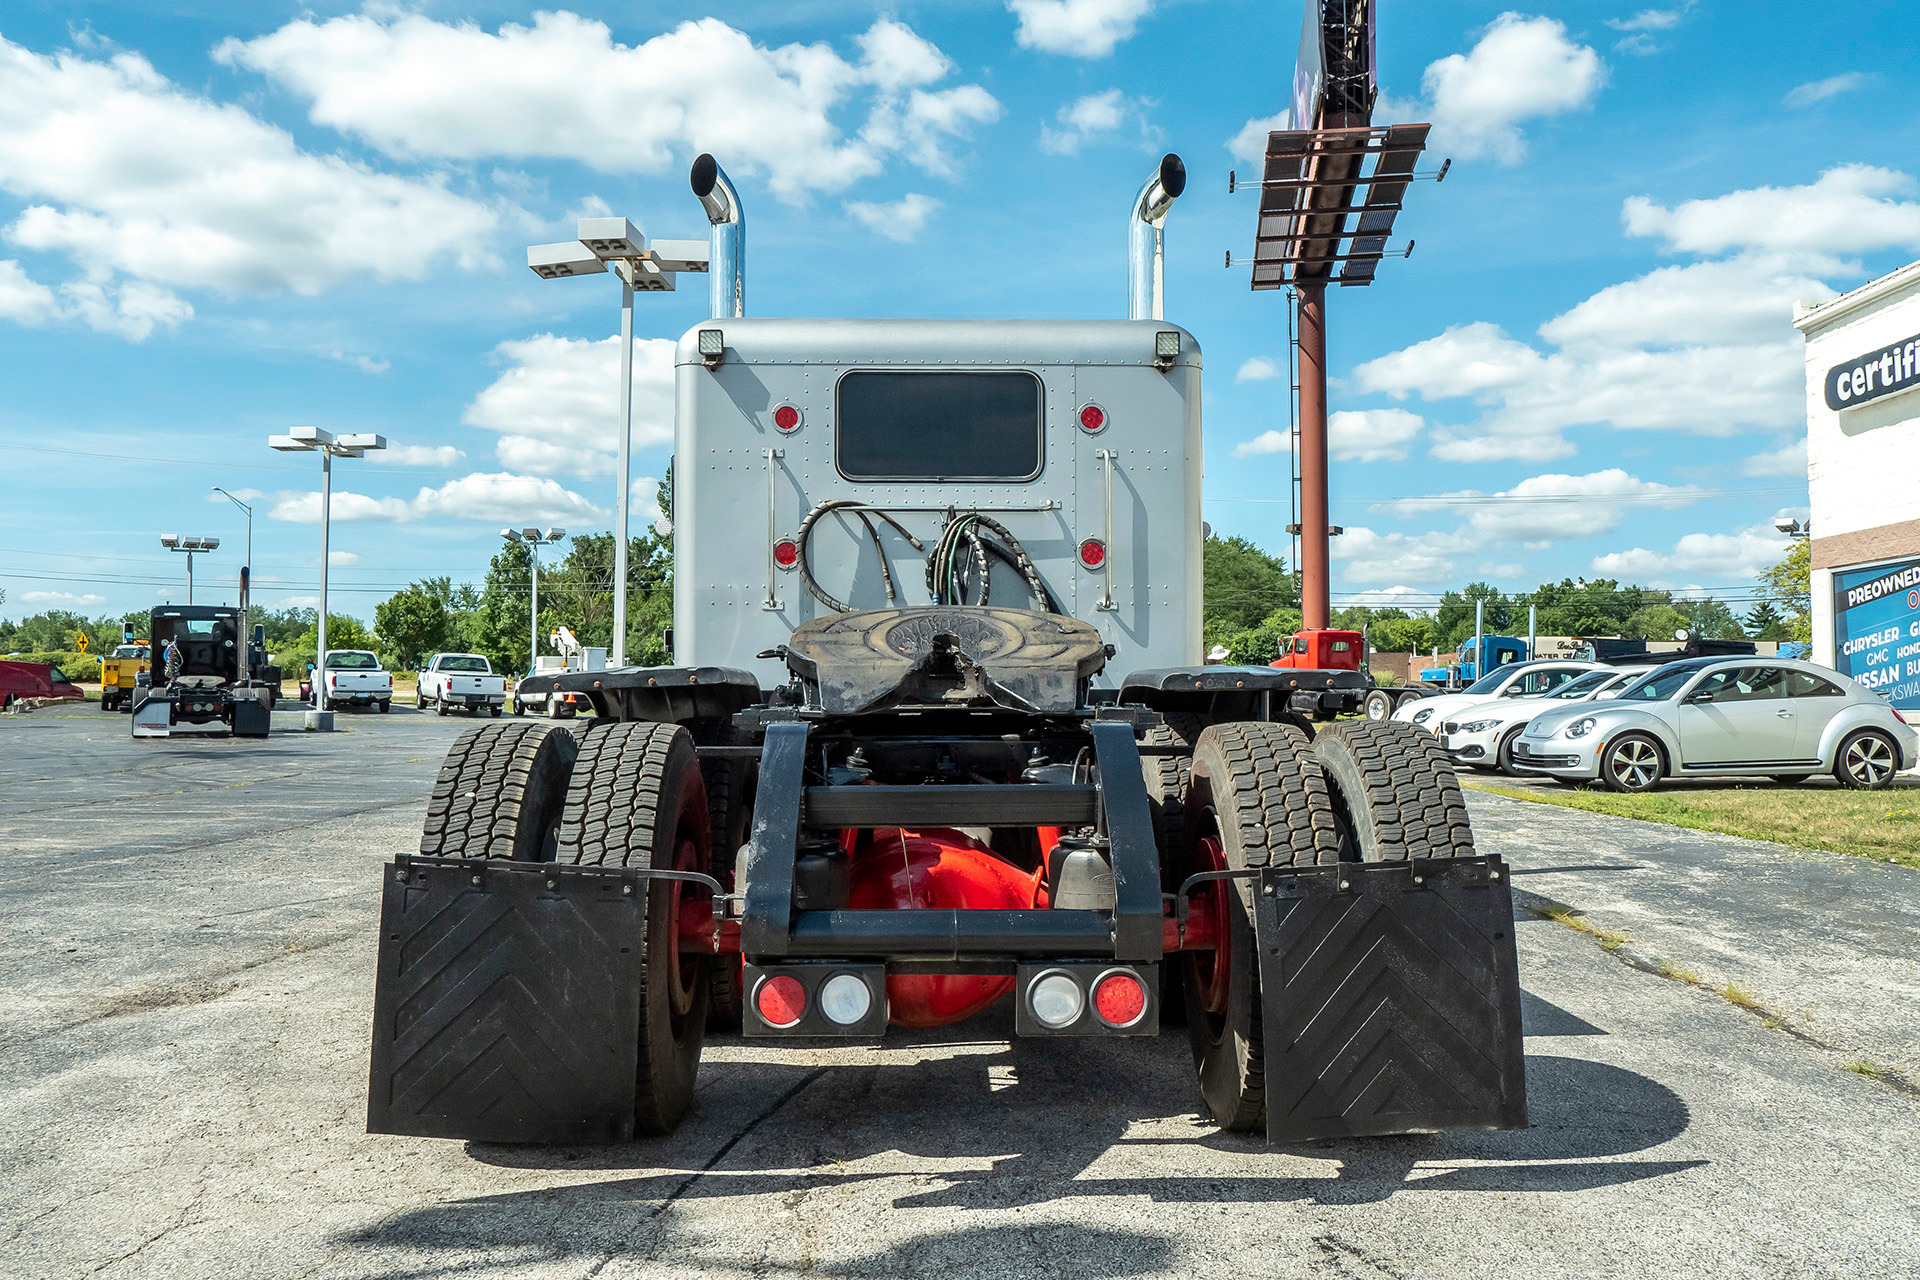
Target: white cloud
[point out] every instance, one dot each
(1789, 459)
(1411, 599)
(1250, 144)
(1258, 369)
(563, 88)
(558, 408)
(1548, 508)
(1077, 28)
(342, 559)
(420, 455)
(24, 300)
(1522, 69)
(303, 602)
(1652, 19)
(1747, 299)
(1369, 556)
(903, 219)
(1820, 90)
(1264, 443)
(60, 598)
(1851, 208)
(481, 496)
(1371, 435)
(1699, 559)
(1096, 115)
(130, 174)
(365, 364)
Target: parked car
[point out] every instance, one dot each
(456, 681)
(1516, 680)
(34, 680)
(354, 678)
(1724, 717)
(1483, 735)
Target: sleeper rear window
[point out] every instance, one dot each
(939, 426)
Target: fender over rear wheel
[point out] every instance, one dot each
(1255, 799)
(637, 799)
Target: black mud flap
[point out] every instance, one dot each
(1390, 999)
(507, 1006)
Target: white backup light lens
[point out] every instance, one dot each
(845, 999)
(1056, 1001)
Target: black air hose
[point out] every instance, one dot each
(946, 581)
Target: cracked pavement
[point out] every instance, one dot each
(189, 941)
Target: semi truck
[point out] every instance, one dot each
(937, 735)
(213, 689)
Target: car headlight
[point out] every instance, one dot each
(1581, 728)
(1478, 726)
(1421, 717)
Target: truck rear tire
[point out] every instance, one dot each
(1394, 792)
(500, 793)
(637, 799)
(729, 814)
(1167, 797)
(1255, 799)
(1380, 704)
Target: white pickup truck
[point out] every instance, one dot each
(450, 681)
(356, 679)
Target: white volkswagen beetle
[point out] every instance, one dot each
(1483, 734)
(1724, 717)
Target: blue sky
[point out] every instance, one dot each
(219, 221)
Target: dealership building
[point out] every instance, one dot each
(1863, 479)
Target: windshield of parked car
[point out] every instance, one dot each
(352, 662)
(131, 651)
(1659, 684)
(465, 664)
(1491, 682)
(1581, 686)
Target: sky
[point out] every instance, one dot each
(221, 221)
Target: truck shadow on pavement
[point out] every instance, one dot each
(997, 1126)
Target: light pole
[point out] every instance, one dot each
(329, 447)
(619, 242)
(190, 547)
(246, 570)
(533, 538)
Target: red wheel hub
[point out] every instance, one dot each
(683, 967)
(1213, 969)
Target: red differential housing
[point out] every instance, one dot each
(937, 870)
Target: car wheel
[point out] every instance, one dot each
(1503, 754)
(1867, 761)
(1631, 763)
(1379, 705)
(439, 708)
(385, 707)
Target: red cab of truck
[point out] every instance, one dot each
(34, 680)
(1323, 651)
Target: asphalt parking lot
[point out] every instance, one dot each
(189, 947)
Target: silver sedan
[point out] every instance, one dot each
(1724, 717)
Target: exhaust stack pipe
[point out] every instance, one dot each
(727, 237)
(1145, 273)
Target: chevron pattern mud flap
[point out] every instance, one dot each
(1390, 999)
(507, 1006)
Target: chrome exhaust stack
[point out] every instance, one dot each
(1144, 230)
(727, 237)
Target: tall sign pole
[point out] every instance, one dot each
(1316, 590)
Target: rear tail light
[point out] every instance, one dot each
(787, 418)
(786, 553)
(1119, 999)
(1897, 716)
(781, 1000)
(1093, 553)
(1092, 418)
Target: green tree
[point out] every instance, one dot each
(1453, 623)
(1657, 621)
(1710, 619)
(343, 632)
(1412, 634)
(1244, 585)
(1786, 587)
(1765, 623)
(1256, 645)
(412, 623)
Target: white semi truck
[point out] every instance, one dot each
(938, 734)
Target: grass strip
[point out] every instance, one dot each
(1861, 824)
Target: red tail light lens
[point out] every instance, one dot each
(1092, 418)
(782, 1001)
(787, 418)
(786, 553)
(1093, 553)
(1119, 999)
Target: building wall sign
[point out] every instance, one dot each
(1886, 372)
(1876, 629)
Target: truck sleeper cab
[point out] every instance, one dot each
(938, 734)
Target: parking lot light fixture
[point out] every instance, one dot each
(533, 538)
(328, 446)
(1793, 528)
(190, 547)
